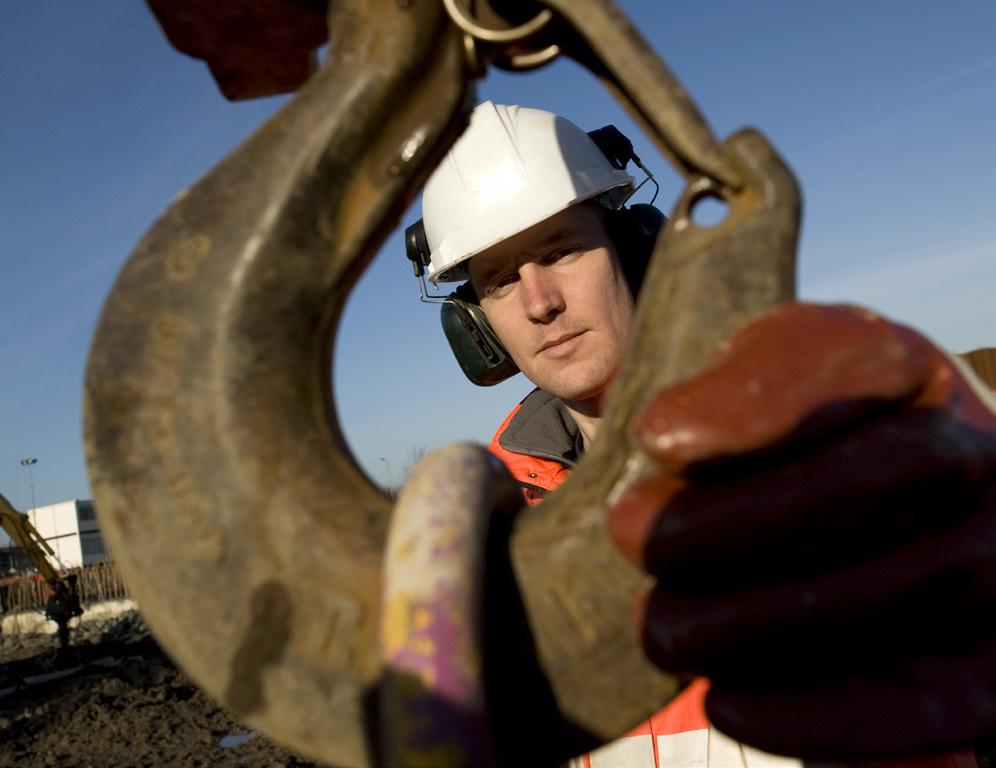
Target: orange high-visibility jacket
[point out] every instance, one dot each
(540, 443)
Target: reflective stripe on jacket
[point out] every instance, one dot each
(540, 444)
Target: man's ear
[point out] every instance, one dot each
(481, 355)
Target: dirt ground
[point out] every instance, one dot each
(115, 700)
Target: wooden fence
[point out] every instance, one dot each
(28, 592)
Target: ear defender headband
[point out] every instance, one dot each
(482, 357)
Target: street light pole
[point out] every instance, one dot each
(28, 464)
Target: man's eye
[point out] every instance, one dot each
(500, 286)
(562, 254)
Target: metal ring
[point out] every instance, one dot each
(698, 188)
(526, 61)
(469, 25)
(476, 67)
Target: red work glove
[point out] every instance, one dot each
(821, 522)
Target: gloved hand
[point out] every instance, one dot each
(821, 521)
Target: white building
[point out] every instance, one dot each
(71, 530)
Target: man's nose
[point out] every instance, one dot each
(541, 294)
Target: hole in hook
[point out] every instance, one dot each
(708, 210)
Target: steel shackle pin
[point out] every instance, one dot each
(240, 521)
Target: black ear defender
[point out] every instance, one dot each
(481, 356)
(618, 150)
(475, 345)
(634, 232)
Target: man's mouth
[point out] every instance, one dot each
(561, 346)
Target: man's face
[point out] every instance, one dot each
(556, 296)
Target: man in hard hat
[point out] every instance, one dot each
(520, 179)
(827, 486)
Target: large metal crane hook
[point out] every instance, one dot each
(242, 524)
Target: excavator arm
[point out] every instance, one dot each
(19, 528)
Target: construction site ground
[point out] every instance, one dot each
(115, 699)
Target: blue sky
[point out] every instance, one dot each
(886, 111)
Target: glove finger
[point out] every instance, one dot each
(872, 489)
(799, 371)
(902, 602)
(927, 705)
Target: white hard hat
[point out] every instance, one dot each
(512, 168)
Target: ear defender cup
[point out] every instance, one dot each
(475, 345)
(634, 232)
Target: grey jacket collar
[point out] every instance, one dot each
(544, 428)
